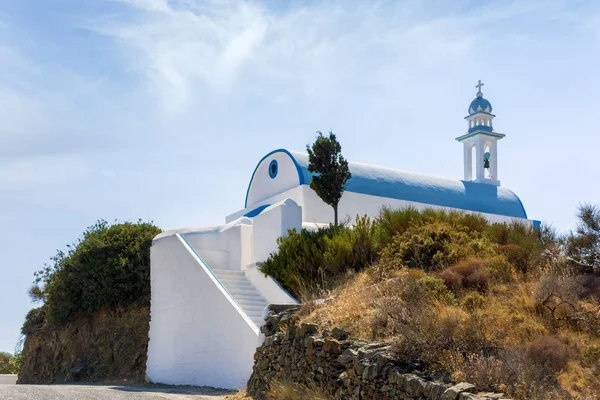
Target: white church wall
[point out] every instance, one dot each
(197, 335)
(315, 212)
(295, 193)
(265, 186)
(352, 204)
(273, 223)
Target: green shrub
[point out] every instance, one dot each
(500, 269)
(34, 320)
(391, 222)
(309, 262)
(434, 246)
(109, 267)
(472, 300)
(10, 364)
(520, 244)
(583, 245)
(591, 354)
(435, 288)
(298, 263)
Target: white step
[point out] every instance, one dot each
(226, 272)
(244, 293)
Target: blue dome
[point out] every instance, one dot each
(485, 105)
(390, 183)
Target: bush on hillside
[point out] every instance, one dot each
(109, 267)
(500, 269)
(467, 274)
(391, 222)
(34, 320)
(9, 363)
(311, 262)
(434, 246)
(520, 244)
(549, 353)
(583, 245)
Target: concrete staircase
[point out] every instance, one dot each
(244, 293)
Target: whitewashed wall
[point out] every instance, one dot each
(196, 334)
(295, 194)
(8, 379)
(314, 211)
(263, 186)
(222, 247)
(273, 223)
(352, 204)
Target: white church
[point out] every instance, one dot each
(208, 296)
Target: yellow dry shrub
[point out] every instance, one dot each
(295, 391)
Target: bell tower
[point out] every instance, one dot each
(480, 143)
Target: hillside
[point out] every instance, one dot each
(504, 307)
(104, 346)
(93, 322)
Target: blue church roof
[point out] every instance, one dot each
(485, 105)
(395, 184)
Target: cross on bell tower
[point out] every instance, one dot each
(478, 86)
(480, 143)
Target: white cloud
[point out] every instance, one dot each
(186, 48)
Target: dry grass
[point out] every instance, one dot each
(294, 391)
(512, 343)
(241, 395)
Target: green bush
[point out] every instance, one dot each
(391, 222)
(298, 262)
(34, 320)
(10, 364)
(500, 269)
(109, 267)
(434, 246)
(519, 243)
(310, 262)
(436, 289)
(583, 245)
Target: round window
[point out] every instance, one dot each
(273, 169)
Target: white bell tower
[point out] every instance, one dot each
(480, 143)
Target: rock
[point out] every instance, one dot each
(347, 356)
(453, 393)
(370, 372)
(308, 329)
(414, 386)
(332, 346)
(348, 368)
(471, 396)
(79, 371)
(494, 396)
(339, 334)
(434, 390)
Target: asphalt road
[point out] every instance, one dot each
(102, 392)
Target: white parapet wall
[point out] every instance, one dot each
(198, 335)
(8, 379)
(273, 223)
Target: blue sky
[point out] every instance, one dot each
(156, 109)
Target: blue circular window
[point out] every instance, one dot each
(273, 169)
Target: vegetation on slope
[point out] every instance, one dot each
(9, 363)
(504, 306)
(93, 321)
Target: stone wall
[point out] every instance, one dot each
(346, 368)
